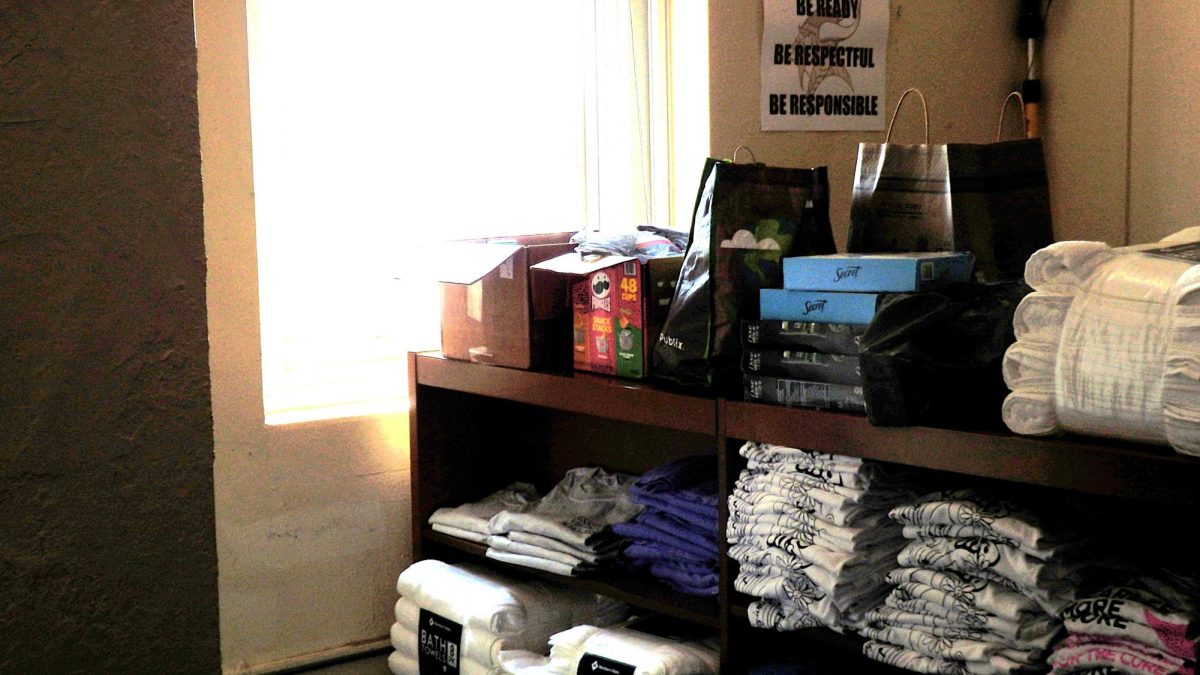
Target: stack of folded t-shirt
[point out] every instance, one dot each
(1142, 625)
(980, 584)
(569, 530)
(811, 535)
(675, 538)
(470, 521)
(462, 617)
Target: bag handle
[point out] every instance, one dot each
(924, 112)
(748, 151)
(1004, 109)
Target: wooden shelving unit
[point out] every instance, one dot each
(477, 428)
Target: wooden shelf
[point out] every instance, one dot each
(1088, 465)
(644, 592)
(608, 397)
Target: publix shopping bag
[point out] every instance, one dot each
(991, 199)
(748, 217)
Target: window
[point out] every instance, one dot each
(381, 127)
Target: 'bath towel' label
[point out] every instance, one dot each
(439, 641)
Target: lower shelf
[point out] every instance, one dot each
(638, 591)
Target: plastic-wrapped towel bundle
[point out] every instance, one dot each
(1181, 373)
(1109, 344)
(592, 649)
(465, 615)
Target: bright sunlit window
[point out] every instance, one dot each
(382, 127)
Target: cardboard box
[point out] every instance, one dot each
(494, 312)
(876, 272)
(618, 307)
(817, 306)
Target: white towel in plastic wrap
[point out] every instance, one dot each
(1039, 317)
(647, 654)
(494, 611)
(1125, 362)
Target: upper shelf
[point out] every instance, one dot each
(610, 397)
(1090, 465)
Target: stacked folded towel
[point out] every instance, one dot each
(811, 536)
(569, 530)
(463, 616)
(1108, 344)
(980, 586)
(591, 649)
(675, 537)
(1143, 625)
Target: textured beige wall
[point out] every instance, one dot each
(108, 558)
(312, 519)
(963, 54)
(1086, 117)
(1165, 127)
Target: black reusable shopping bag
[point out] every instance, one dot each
(991, 199)
(748, 217)
(934, 358)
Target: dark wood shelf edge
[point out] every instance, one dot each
(609, 397)
(1094, 466)
(638, 592)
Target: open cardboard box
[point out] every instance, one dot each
(617, 308)
(493, 311)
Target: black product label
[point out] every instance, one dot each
(591, 664)
(1189, 251)
(438, 643)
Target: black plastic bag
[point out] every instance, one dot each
(748, 217)
(934, 359)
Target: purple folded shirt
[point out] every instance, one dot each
(687, 578)
(645, 550)
(641, 533)
(677, 528)
(676, 475)
(700, 516)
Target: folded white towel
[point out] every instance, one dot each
(473, 596)
(401, 664)
(476, 644)
(1031, 414)
(1039, 317)
(1063, 266)
(1029, 366)
(647, 654)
